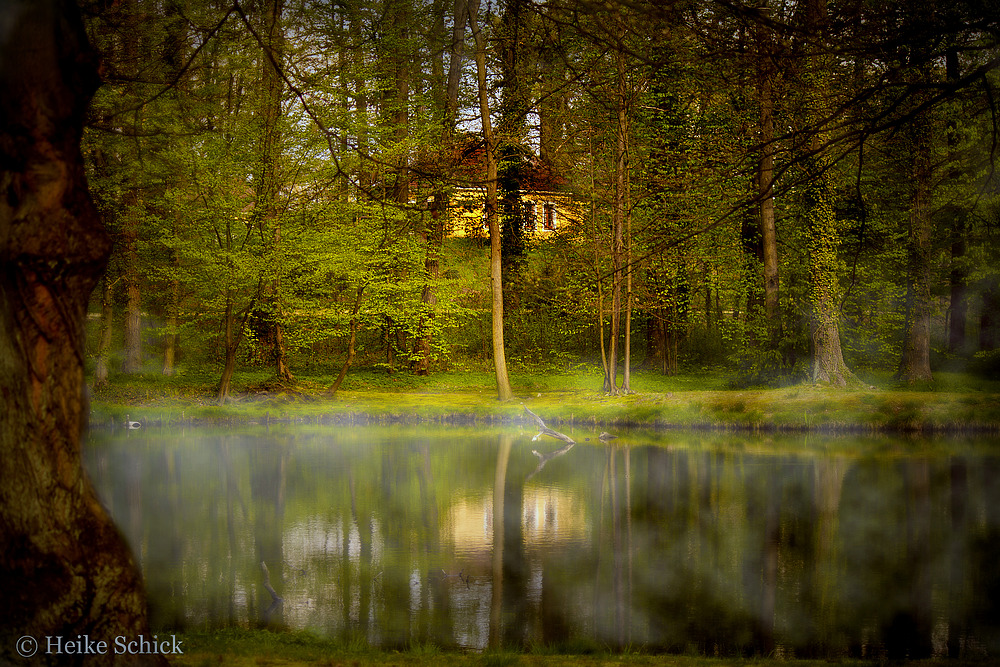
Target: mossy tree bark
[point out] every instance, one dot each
(65, 569)
(828, 366)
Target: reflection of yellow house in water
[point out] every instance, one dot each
(550, 516)
(544, 212)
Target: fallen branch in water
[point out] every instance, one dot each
(267, 584)
(545, 430)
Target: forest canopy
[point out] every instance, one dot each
(793, 191)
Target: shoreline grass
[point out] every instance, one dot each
(244, 648)
(955, 404)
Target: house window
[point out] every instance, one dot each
(530, 222)
(550, 216)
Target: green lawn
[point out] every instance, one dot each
(253, 648)
(573, 396)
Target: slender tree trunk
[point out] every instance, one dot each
(455, 63)
(433, 231)
(64, 569)
(627, 371)
(433, 240)
(618, 223)
(958, 277)
(229, 345)
(170, 351)
(916, 362)
(959, 274)
(267, 185)
(915, 365)
(133, 303)
(401, 115)
(595, 236)
(504, 392)
(335, 387)
(765, 177)
(989, 316)
(235, 326)
(104, 342)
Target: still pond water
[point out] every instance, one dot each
(722, 545)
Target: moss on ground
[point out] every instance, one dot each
(694, 401)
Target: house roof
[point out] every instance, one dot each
(530, 171)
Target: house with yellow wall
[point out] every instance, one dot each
(545, 212)
(546, 207)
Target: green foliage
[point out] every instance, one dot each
(175, 162)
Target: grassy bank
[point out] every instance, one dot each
(954, 403)
(252, 648)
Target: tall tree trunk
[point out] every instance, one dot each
(828, 366)
(64, 568)
(433, 239)
(401, 115)
(132, 203)
(267, 185)
(234, 328)
(916, 362)
(989, 316)
(230, 344)
(504, 392)
(958, 277)
(959, 274)
(170, 349)
(432, 231)
(332, 391)
(765, 178)
(618, 223)
(133, 300)
(552, 102)
(915, 365)
(627, 360)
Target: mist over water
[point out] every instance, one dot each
(676, 542)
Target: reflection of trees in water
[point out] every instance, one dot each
(984, 544)
(268, 460)
(509, 602)
(499, 535)
(677, 549)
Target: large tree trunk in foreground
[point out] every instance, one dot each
(64, 569)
